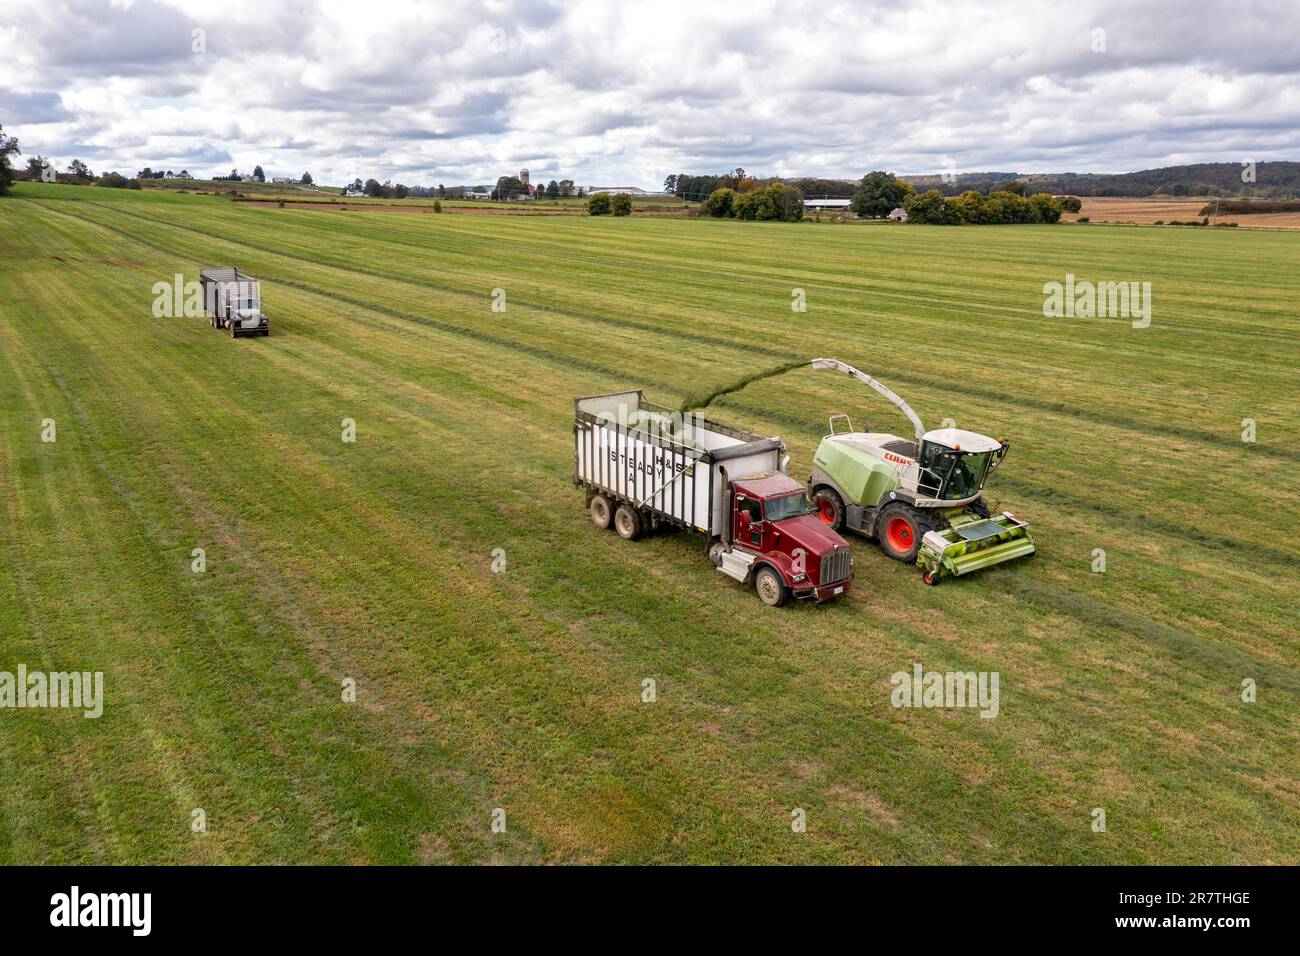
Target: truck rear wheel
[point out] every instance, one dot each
(830, 508)
(900, 528)
(601, 513)
(627, 522)
(770, 588)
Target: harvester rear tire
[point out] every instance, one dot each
(900, 528)
(602, 515)
(627, 522)
(830, 508)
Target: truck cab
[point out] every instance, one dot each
(776, 543)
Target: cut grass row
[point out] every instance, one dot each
(522, 690)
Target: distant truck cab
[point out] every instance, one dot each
(233, 301)
(643, 466)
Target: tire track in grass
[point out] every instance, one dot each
(1086, 609)
(99, 762)
(1214, 657)
(1000, 397)
(161, 570)
(297, 763)
(940, 807)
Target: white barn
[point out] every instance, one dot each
(841, 204)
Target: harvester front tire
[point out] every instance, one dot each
(602, 515)
(627, 522)
(770, 588)
(830, 508)
(900, 528)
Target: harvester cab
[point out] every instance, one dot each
(920, 498)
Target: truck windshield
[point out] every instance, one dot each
(788, 506)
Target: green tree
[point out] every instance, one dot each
(1070, 204)
(878, 194)
(620, 205)
(598, 204)
(929, 208)
(80, 170)
(552, 190)
(721, 203)
(510, 187)
(373, 188)
(258, 174)
(969, 207)
(306, 179)
(566, 187)
(1048, 208)
(8, 147)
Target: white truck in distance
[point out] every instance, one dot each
(233, 301)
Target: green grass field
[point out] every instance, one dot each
(522, 690)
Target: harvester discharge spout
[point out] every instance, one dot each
(835, 365)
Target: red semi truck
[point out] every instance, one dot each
(644, 466)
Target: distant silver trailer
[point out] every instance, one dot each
(233, 301)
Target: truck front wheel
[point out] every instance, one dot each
(627, 523)
(770, 588)
(900, 529)
(601, 513)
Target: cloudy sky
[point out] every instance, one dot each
(613, 92)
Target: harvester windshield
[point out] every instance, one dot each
(961, 473)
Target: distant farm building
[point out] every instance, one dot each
(840, 204)
(617, 190)
(899, 214)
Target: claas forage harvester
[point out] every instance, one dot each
(643, 466)
(920, 498)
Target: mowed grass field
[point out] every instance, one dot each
(522, 690)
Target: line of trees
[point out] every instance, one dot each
(777, 202)
(974, 208)
(604, 204)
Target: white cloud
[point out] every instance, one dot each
(605, 91)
